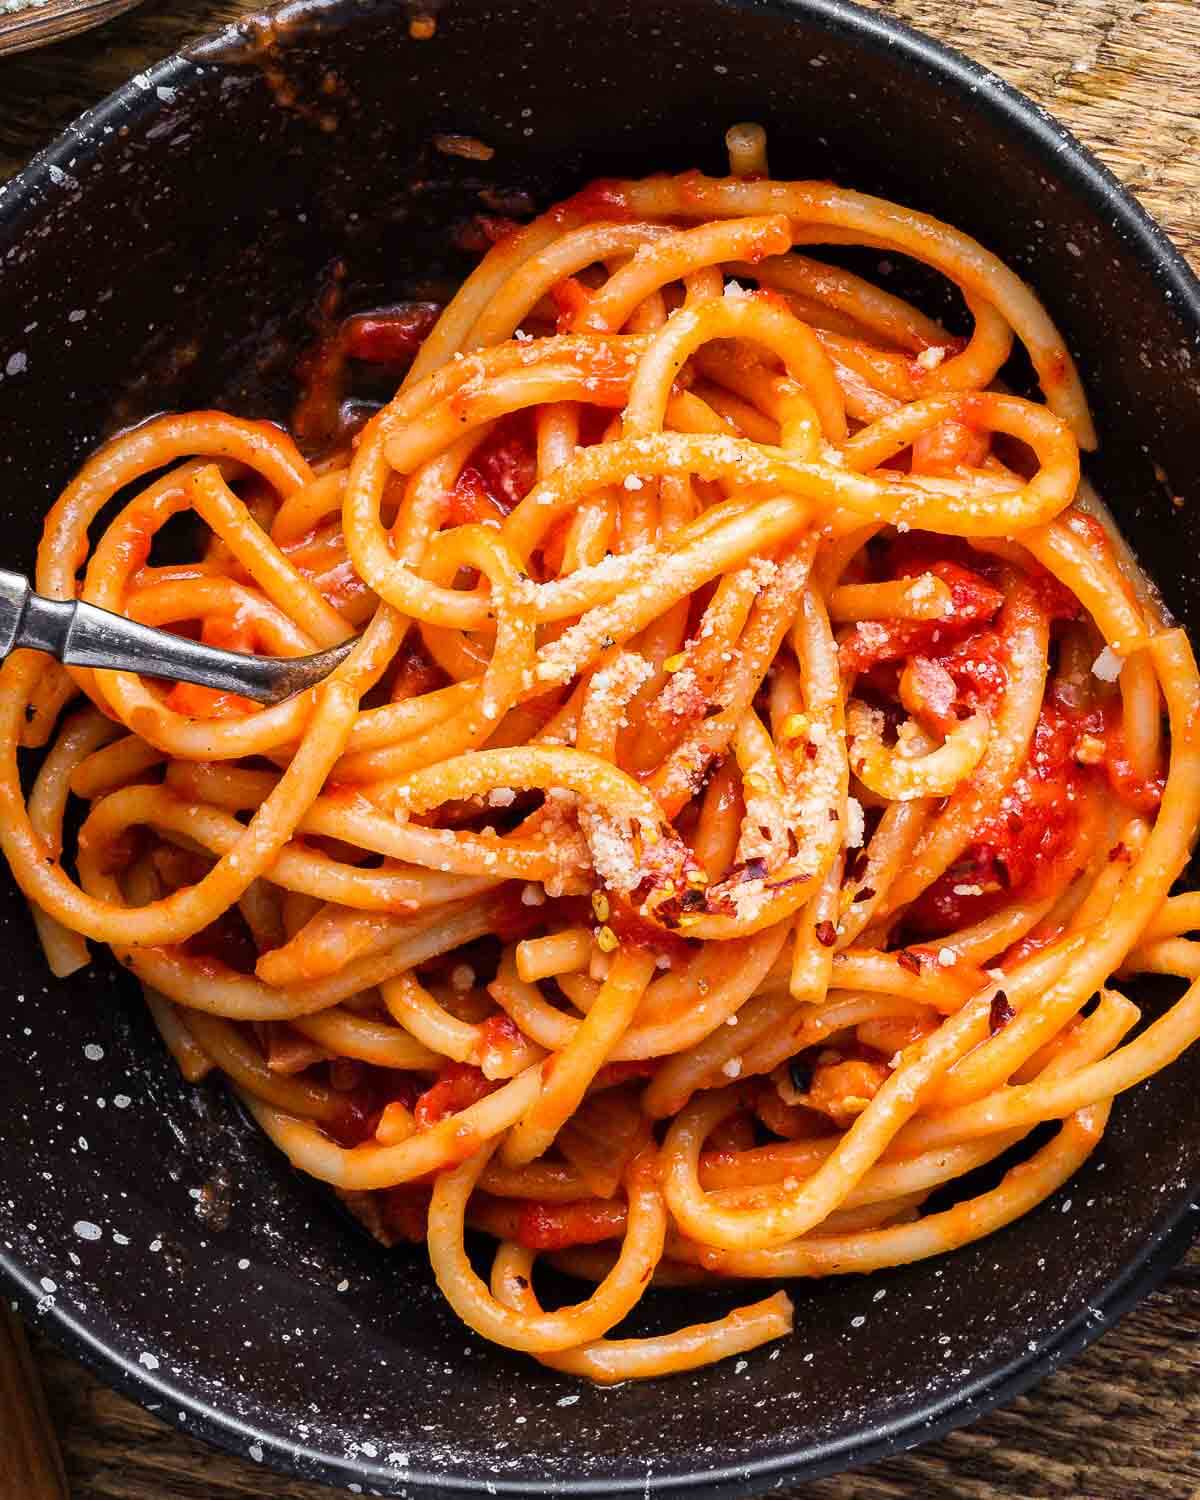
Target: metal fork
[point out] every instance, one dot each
(83, 635)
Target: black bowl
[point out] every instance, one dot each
(163, 253)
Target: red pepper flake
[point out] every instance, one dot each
(833, 815)
(1118, 852)
(864, 893)
(826, 934)
(810, 750)
(1001, 1012)
(909, 960)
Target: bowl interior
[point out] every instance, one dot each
(167, 253)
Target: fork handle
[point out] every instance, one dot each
(83, 635)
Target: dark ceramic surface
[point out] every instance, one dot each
(179, 230)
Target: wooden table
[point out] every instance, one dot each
(1123, 1422)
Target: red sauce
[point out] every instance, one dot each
(227, 940)
(1023, 846)
(1055, 598)
(481, 231)
(1055, 372)
(979, 667)
(513, 920)
(974, 602)
(602, 199)
(499, 474)
(458, 1087)
(1089, 531)
(405, 1212)
(947, 447)
(362, 1105)
(389, 335)
(570, 297)
(548, 1226)
(386, 336)
(1033, 942)
(500, 1031)
(614, 1073)
(195, 702)
(320, 370)
(1142, 793)
(767, 293)
(556, 1226)
(416, 673)
(635, 931)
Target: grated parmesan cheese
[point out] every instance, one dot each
(855, 823)
(763, 572)
(1107, 666)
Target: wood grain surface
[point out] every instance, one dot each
(1123, 1421)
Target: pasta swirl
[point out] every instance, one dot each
(759, 765)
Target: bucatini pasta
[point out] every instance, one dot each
(759, 766)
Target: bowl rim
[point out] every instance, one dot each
(1166, 1240)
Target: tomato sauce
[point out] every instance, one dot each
(614, 1073)
(385, 338)
(947, 447)
(405, 1212)
(498, 475)
(362, 1105)
(227, 940)
(196, 702)
(602, 199)
(570, 297)
(458, 1087)
(548, 1226)
(416, 672)
(557, 1226)
(978, 667)
(1024, 845)
(389, 335)
(974, 603)
(635, 931)
(1142, 793)
(501, 1031)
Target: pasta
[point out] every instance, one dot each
(759, 766)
